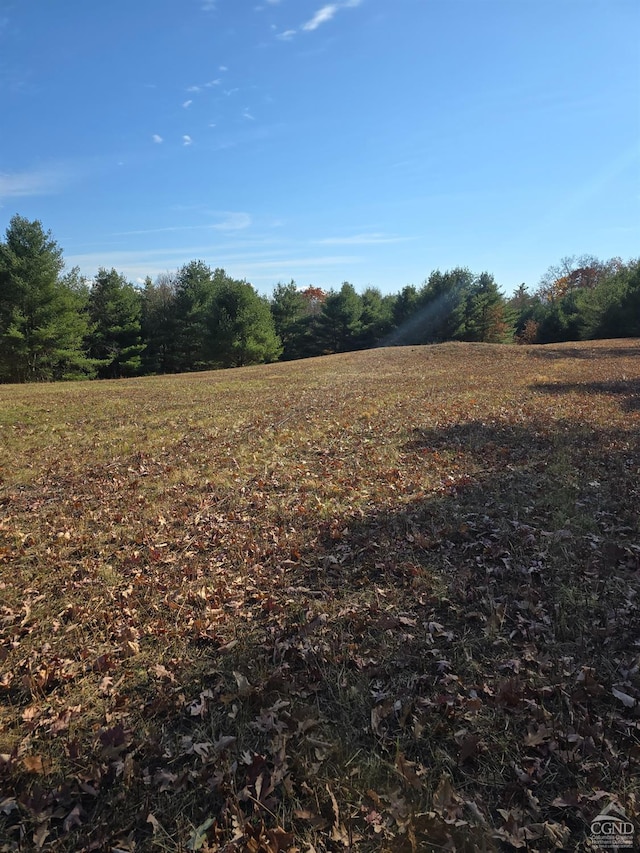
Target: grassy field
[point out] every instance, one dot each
(380, 601)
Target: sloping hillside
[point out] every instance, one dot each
(382, 601)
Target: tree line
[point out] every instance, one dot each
(56, 325)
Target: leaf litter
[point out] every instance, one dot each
(380, 601)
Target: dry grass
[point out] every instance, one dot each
(378, 601)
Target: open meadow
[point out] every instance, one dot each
(379, 601)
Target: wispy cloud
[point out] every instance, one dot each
(287, 35)
(229, 221)
(318, 261)
(321, 17)
(259, 265)
(157, 139)
(247, 114)
(234, 221)
(168, 229)
(187, 140)
(361, 240)
(327, 13)
(187, 104)
(37, 182)
(199, 87)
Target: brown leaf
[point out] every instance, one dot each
(537, 735)
(407, 770)
(468, 748)
(40, 835)
(34, 763)
(162, 672)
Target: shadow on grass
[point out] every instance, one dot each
(596, 352)
(626, 390)
(436, 672)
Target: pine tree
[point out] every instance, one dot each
(376, 320)
(159, 325)
(115, 339)
(42, 317)
(339, 324)
(194, 291)
(240, 325)
(289, 310)
(487, 318)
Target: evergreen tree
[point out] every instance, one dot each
(290, 313)
(405, 305)
(612, 308)
(522, 307)
(115, 339)
(193, 292)
(405, 326)
(376, 320)
(42, 318)
(240, 325)
(339, 323)
(487, 318)
(159, 325)
(307, 341)
(443, 306)
(560, 320)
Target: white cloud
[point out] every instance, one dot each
(360, 240)
(200, 86)
(157, 138)
(38, 182)
(247, 114)
(326, 13)
(187, 140)
(158, 230)
(262, 264)
(321, 17)
(187, 104)
(234, 222)
(287, 35)
(222, 68)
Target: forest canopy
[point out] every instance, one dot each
(55, 324)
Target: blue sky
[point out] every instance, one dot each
(370, 141)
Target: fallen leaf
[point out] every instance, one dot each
(199, 835)
(627, 701)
